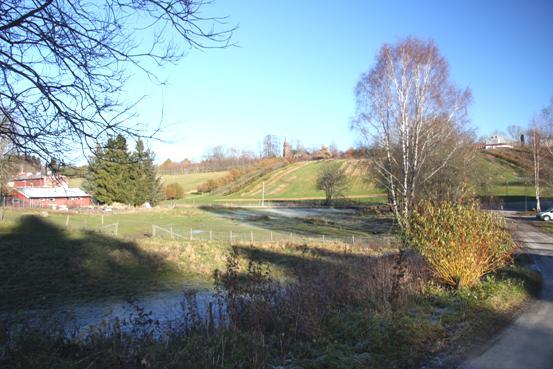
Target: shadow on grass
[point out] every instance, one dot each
(340, 315)
(42, 265)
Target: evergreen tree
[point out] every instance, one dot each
(147, 185)
(116, 175)
(109, 177)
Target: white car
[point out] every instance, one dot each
(546, 215)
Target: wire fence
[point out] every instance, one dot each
(169, 232)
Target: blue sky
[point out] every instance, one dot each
(297, 63)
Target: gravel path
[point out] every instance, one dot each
(528, 342)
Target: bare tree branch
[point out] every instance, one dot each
(64, 65)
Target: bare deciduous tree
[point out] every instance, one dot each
(515, 131)
(540, 135)
(270, 146)
(332, 179)
(64, 64)
(413, 117)
(535, 135)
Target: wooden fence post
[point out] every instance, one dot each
(271, 233)
(153, 231)
(190, 234)
(102, 219)
(67, 221)
(353, 240)
(116, 228)
(251, 236)
(230, 236)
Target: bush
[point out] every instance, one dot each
(460, 242)
(174, 191)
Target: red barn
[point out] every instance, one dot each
(50, 197)
(38, 180)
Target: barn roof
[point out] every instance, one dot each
(43, 192)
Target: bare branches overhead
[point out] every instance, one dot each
(64, 64)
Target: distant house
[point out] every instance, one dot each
(497, 142)
(49, 197)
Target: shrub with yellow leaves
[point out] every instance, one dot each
(460, 242)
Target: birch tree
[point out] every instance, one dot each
(541, 140)
(413, 117)
(535, 142)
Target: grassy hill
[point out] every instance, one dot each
(509, 172)
(190, 181)
(499, 172)
(297, 181)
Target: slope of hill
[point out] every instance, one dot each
(509, 172)
(191, 181)
(298, 181)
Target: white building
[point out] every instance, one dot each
(497, 142)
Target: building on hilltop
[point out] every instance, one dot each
(497, 142)
(286, 150)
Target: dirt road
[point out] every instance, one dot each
(528, 342)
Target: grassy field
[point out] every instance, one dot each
(508, 172)
(191, 181)
(341, 307)
(297, 182)
(76, 182)
(50, 258)
(497, 172)
(340, 311)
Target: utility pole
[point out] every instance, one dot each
(263, 195)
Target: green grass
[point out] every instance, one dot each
(495, 176)
(139, 224)
(76, 182)
(297, 182)
(191, 181)
(44, 265)
(43, 262)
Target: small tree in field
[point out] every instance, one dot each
(332, 180)
(174, 191)
(460, 242)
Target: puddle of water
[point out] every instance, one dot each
(167, 309)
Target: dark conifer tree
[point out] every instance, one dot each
(147, 185)
(109, 173)
(116, 175)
